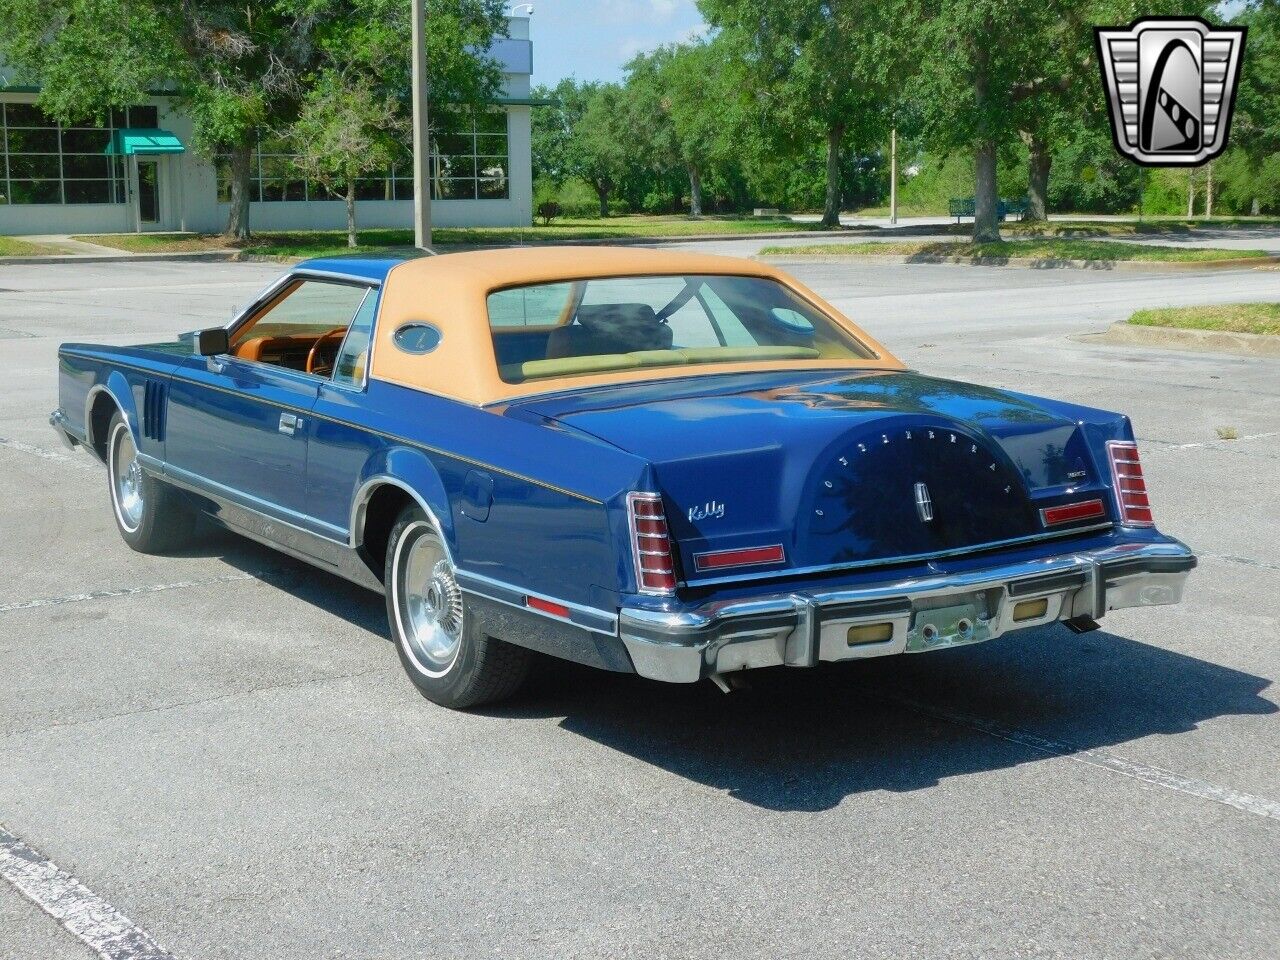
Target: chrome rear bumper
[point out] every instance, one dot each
(927, 613)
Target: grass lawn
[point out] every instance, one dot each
(1229, 317)
(1104, 228)
(325, 242)
(1084, 228)
(13, 247)
(156, 242)
(1054, 248)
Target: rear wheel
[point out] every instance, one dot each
(150, 514)
(450, 661)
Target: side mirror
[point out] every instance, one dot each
(212, 342)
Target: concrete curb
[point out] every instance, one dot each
(1029, 263)
(206, 256)
(237, 256)
(1175, 338)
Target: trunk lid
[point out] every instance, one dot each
(838, 470)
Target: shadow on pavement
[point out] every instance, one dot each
(803, 740)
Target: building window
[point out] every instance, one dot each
(42, 161)
(470, 148)
(469, 161)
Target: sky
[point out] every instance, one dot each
(592, 39)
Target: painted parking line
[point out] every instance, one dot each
(53, 456)
(124, 591)
(1156, 776)
(1222, 444)
(84, 914)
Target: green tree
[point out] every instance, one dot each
(238, 66)
(830, 67)
(1255, 131)
(584, 134)
(672, 92)
(968, 96)
(344, 130)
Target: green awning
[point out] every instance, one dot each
(130, 142)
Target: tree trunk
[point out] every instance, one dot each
(1191, 194)
(986, 191)
(831, 209)
(1208, 190)
(1038, 164)
(695, 191)
(603, 193)
(241, 182)
(986, 221)
(351, 212)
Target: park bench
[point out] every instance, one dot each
(959, 207)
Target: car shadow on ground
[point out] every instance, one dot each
(803, 740)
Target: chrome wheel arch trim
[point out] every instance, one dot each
(360, 503)
(89, 401)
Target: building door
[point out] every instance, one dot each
(148, 192)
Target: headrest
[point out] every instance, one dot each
(624, 327)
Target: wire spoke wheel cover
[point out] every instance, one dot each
(127, 488)
(428, 602)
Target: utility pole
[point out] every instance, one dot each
(893, 175)
(421, 130)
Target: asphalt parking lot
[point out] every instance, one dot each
(220, 745)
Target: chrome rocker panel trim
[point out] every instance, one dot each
(800, 628)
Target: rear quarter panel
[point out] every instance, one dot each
(546, 525)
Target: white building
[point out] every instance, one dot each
(139, 171)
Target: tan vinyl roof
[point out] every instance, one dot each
(450, 293)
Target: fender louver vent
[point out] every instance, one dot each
(154, 405)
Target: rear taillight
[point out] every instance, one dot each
(651, 544)
(1131, 489)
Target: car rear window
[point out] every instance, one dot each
(622, 323)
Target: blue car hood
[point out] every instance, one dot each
(828, 466)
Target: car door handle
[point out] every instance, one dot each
(289, 422)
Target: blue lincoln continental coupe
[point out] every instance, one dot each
(679, 465)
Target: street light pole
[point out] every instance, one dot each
(893, 175)
(421, 130)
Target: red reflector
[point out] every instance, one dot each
(1130, 488)
(546, 606)
(1072, 511)
(745, 557)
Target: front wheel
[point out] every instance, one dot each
(150, 514)
(450, 661)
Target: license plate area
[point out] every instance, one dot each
(952, 625)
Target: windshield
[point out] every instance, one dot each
(620, 323)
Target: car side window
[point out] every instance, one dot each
(311, 307)
(353, 359)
